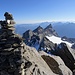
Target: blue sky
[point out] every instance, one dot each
(34, 11)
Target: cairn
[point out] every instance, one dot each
(11, 48)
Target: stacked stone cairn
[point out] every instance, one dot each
(11, 48)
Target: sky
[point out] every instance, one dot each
(35, 11)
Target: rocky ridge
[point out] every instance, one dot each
(16, 58)
(40, 33)
(62, 50)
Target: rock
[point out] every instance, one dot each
(73, 46)
(46, 45)
(71, 40)
(66, 54)
(16, 58)
(11, 28)
(10, 48)
(40, 33)
(38, 66)
(8, 16)
(56, 64)
(28, 34)
(30, 38)
(38, 30)
(49, 30)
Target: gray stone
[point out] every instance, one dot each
(8, 16)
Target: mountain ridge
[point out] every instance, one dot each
(60, 27)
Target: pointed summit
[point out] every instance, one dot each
(38, 30)
(49, 30)
(49, 26)
(28, 34)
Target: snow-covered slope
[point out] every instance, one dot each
(57, 40)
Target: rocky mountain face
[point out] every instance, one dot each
(73, 46)
(67, 55)
(71, 40)
(49, 30)
(63, 50)
(38, 30)
(46, 45)
(38, 34)
(16, 58)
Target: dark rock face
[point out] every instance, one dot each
(73, 46)
(28, 34)
(46, 45)
(38, 30)
(50, 30)
(63, 51)
(52, 64)
(11, 48)
(31, 37)
(71, 40)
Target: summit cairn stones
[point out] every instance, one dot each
(8, 16)
(11, 48)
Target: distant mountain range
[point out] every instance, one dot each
(63, 29)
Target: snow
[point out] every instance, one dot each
(57, 40)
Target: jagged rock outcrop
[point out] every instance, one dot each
(46, 45)
(38, 30)
(67, 55)
(28, 34)
(71, 40)
(49, 30)
(31, 38)
(73, 46)
(40, 33)
(39, 66)
(55, 63)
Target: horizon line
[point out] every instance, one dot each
(47, 21)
